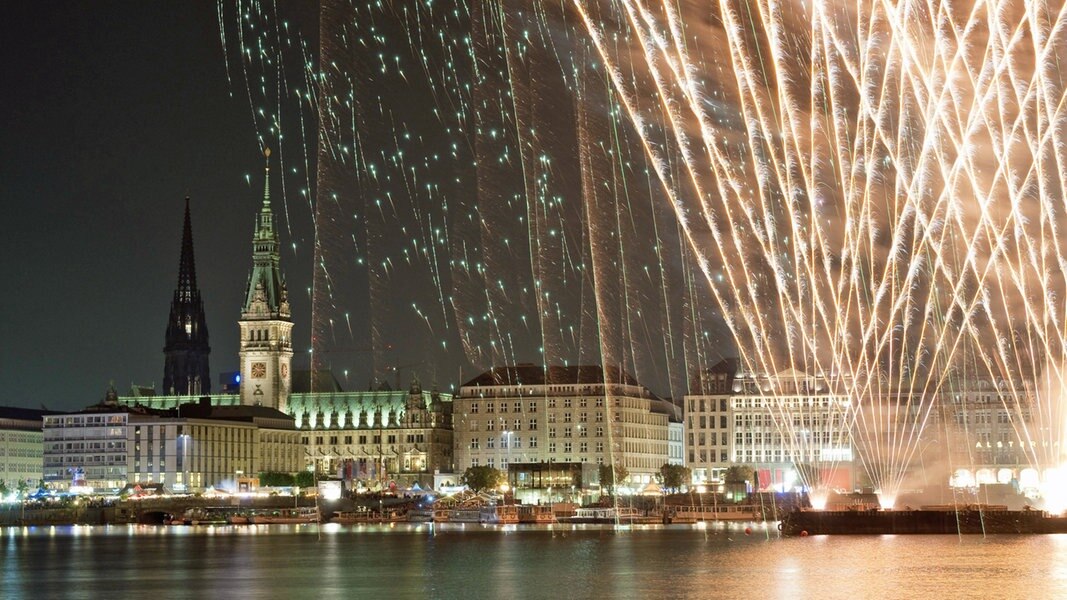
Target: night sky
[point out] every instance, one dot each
(114, 112)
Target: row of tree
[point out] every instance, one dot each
(672, 477)
(275, 479)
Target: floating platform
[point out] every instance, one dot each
(965, 520)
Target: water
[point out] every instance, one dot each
(407, 561)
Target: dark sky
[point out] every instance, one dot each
(114, 112)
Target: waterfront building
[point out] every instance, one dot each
(549, 482)
(377, 437)
(777, 424)
(21, 458)
(708, 417)
(562, 414)
(981, 429)
(186, 349)
(373, 438)
(192, 448)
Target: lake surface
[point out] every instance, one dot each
(420, 561)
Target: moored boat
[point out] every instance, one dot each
(975, 519)
(290, 516)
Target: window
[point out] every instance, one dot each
(490, 407)
(517, 442)
(566, 403)
(566, 447)
(474, 408)
(600, 446)
(583, 447)
(533, 442)
(599, 431)
(583, 431)
(551, 417)
(552, 403)
(503, 407)
(551, 432)
(473, 425)
(518, 406)
(348, 439)
(567, 417)
(566, 432)
(600, 417)
(490, 425)
(490, 442)
(599, 402)
(475, 444)
(533, 407)
(533, 424)
(552, 447)
(584, 417)
(363, 439)
(518, 425)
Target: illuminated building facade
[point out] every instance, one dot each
(190, 449)
(562, 414)
(21, 458)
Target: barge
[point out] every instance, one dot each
(926, 520)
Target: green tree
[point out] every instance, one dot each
(483, 478)
(276, 479)
(610, 476)
(4, 490)
(23, 488)
(674, 476)
(739, 474)
(304, 479)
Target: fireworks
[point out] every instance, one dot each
(869, 194)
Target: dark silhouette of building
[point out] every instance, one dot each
(185, 371)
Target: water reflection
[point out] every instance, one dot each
(561, 561)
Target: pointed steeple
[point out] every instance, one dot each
(266, 327)
(187, 264)
(186, 349)
(265, 297)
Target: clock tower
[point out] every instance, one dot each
(266, 325)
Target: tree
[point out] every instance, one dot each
(276, 479)
(739, 474)
(304, 479)
(610, 475)
(4, 491)
(674, 476)
(23, 487)
(483, 478)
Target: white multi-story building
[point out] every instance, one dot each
(21, 458)
(579, 414)
(190, 449)
(778, 425)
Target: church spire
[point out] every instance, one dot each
(187, 264)
(186, 348)
(266, 296)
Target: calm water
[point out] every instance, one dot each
(475, 562)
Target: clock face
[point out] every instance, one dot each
(285, 370)
(259, 370)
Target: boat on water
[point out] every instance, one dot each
(289, 516)
(364, 515)
(536, 514)
(612, 516)
(712, 512)
(203, 515)
(499, 514)
(420, 515)
(971, 519)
